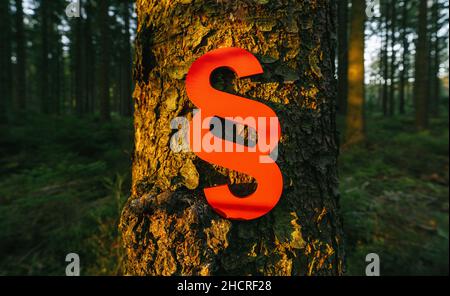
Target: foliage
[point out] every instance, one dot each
(63, 183)
(394, 195)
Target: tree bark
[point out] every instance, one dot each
(5, 62)
(421, 65)
(80, 64)
(434, 61)
(393, 65)
(385, 60)
(405, 64)
(58, 73)
(90, 68)
(126, 97)
(44, 68)
(21, 58)
(355, 128)
(104, 60)
(342, 55)
(167, 226)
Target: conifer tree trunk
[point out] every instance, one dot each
(79, 65)
(167, 226)
(421, 65)
(104, 60)
(5, 61)
(21, 57)
(126, 102)
(385, 59)
(435, 61)
(342, 55)
(355, 128)
(404, 72)
(393, 66)
(44, 63)
(90, 49)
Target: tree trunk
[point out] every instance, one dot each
(127, 107)
(5, 62)
(421, 65)
(342, 55)
(44, 69)
(104, 60)
(385, 61)
(404, 72)
(167, 226)
(355, 128)
(21, 58)
(393, 59)
(90, 59)
(80, 66)
(434, 61)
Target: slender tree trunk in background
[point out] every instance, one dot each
(104, 60)
(436, 80)
(55, 55)
(43, 71)
(6, 82)
(21, 58)
(355, 126)
(59, 75)
(393, 59)
(127, 106)
(90, 59)
(385, 98)
(79, 65)
(342, 55)
(404, 72)
(167, 226)
(421, 65)
(434, 61)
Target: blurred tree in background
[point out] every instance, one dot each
(405, 33)
(56, 64)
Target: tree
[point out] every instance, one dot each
(79, 57)
(126, 100)
(104, 60)
(5, 61)
(355, 127)
(90, 60)
(393, 66)
(342, 55)
(56, 56)
(167, 226)
(421, 66)
(405, 56)
(434, 89)
(21, 57)
(385, 59)
(45, 53)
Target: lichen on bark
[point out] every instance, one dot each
(167, 226)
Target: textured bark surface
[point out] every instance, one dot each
(167, 226)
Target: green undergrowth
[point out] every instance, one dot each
(64, 180)
(62, 184)
(394, 198)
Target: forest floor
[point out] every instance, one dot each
(63, 182)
